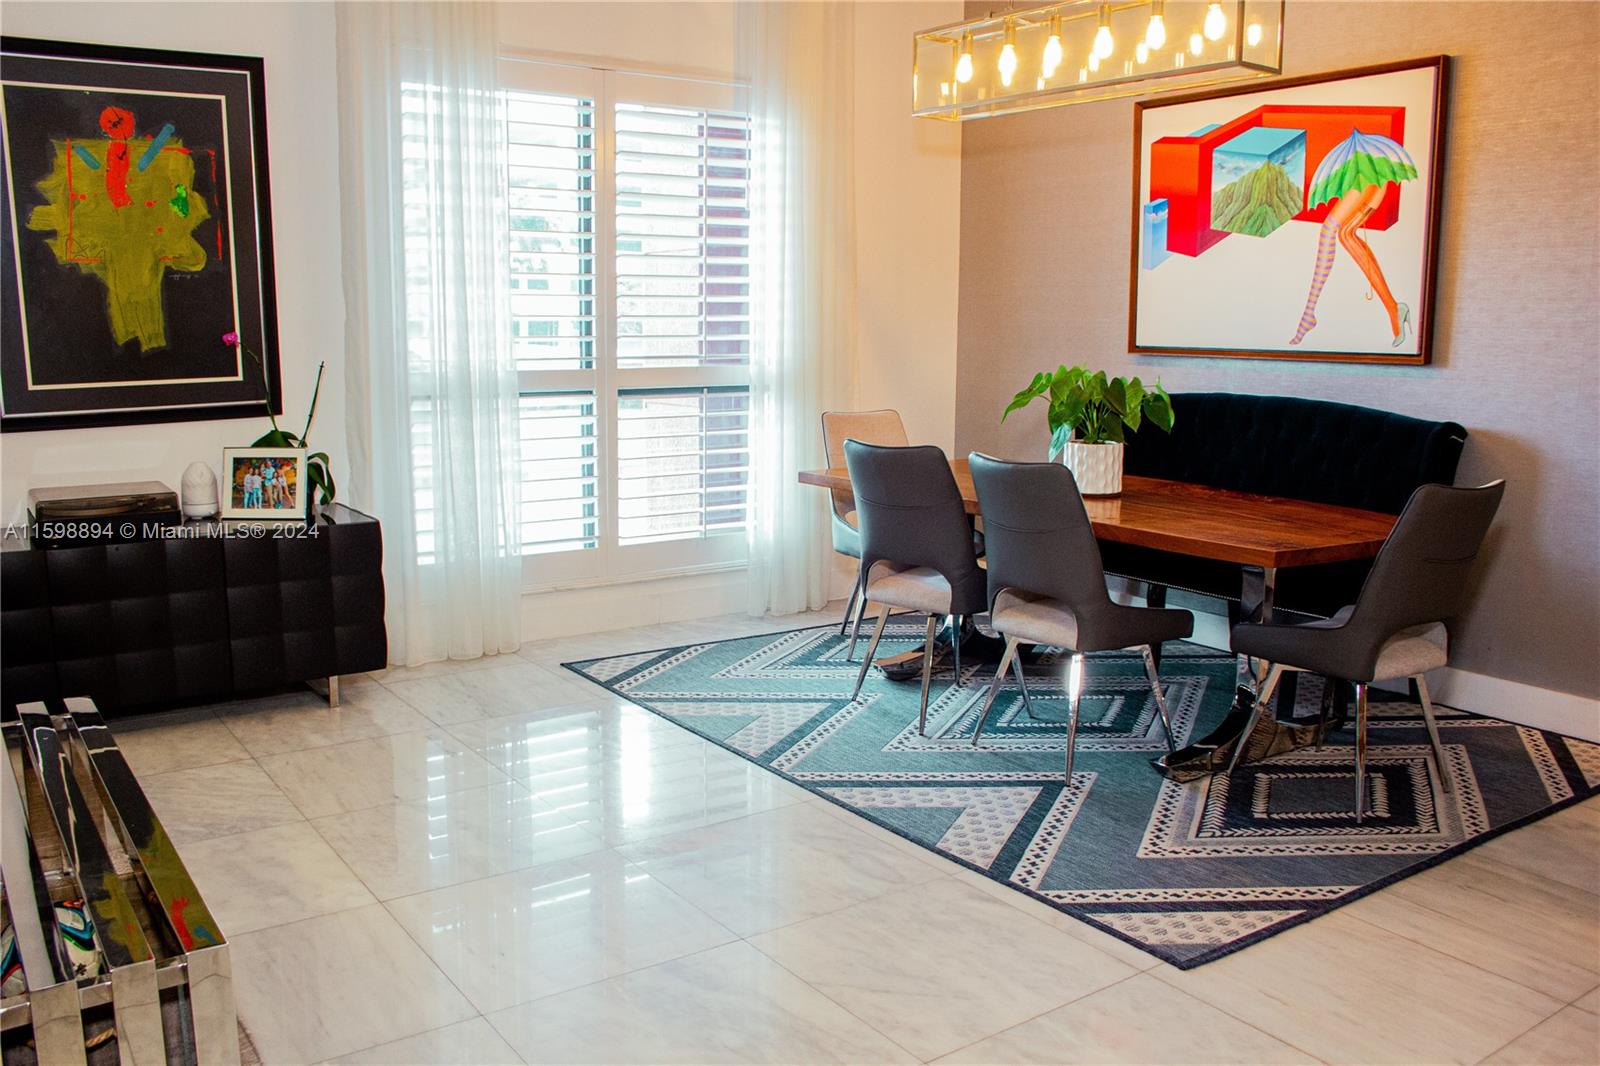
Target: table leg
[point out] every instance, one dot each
(1256, 594)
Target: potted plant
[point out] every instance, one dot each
(1089, 414)
(319, 468)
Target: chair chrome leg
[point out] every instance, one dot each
(1007, 658)
(1361, 750)
(1074, 693)
(1022, 683)
(928, 652)
(1154, 672)
(866, 663)
(955, 645)
(1433, 731)
(855, 631)
(1263, 697)
(850, 608)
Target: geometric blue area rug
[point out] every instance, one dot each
(1188, 872)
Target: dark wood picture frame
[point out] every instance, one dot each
(52, 83)
(1424, 326)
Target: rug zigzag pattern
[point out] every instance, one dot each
(1188, 872)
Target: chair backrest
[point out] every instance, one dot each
(1036, 533)
(870, 427)
(911, 514)
(1420, 575)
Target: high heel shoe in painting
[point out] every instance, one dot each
(1403, 314)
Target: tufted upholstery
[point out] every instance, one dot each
(204, 617)
(1286, 446)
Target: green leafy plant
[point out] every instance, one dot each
(1092, 408)
(319, 468)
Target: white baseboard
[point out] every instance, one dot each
(1541, 708)
(601, 608)
(680, 599)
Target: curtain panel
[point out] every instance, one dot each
(432, 386)
(797, 60)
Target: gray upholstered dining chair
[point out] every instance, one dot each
(872, 427)
(916, 546)
(1397, 628)
(1047, 585)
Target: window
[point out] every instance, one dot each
(630, 303)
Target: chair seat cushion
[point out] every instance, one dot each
(1038, 621)
(1041, 620)
(1413, 651)
(1321, 648)
(915, 588)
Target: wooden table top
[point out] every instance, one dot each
(1232, 527)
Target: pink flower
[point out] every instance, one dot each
(231, 339)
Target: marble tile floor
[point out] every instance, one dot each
(498, 862)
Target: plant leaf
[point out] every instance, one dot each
(1158, 408)
(1059, 439)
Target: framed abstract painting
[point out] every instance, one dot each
(1299, 221)
(136, 232)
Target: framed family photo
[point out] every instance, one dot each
(1297, 221)
(135, 231)
(264, 483)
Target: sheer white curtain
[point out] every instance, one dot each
(798, 60)
(430, 378)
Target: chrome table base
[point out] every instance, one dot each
(77, 826)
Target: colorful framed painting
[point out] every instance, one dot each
(135, 231)
(1298, 221)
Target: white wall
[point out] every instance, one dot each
(297, 41)
(908, 229)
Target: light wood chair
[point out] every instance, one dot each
(882, 427)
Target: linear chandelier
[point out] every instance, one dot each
(1080, 50)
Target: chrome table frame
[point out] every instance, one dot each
(152, 931)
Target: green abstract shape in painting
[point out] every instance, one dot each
(128, 248)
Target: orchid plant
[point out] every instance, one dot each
(319, 468)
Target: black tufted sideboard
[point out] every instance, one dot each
(204, 615)
(1285, 446)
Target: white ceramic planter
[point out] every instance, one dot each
(1096, 467)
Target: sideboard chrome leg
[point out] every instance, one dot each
(332, 692)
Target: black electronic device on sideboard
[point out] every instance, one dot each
(193, 611)
(75, 515)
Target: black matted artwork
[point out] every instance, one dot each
(136, 233)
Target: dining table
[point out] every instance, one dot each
(1261, 534)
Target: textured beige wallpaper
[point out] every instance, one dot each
(1045, 211)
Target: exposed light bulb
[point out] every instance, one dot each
(1052, 48)
(1141, 52)
(1252, 34)
(964, 62)
(1008, 56)
(1196, 44)
(1103, 44)
(1094, 63)
(1083, 73)
(1216, 23)
(1155, 35)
